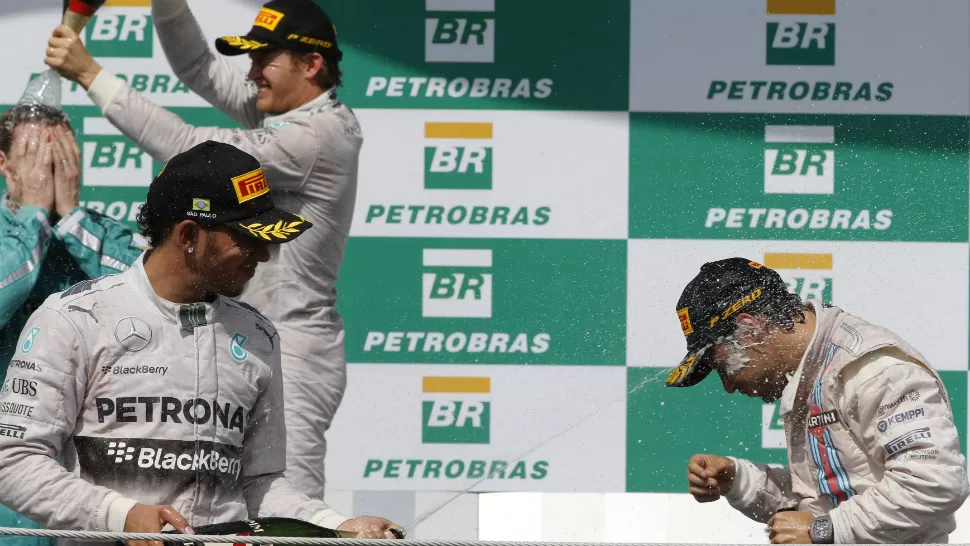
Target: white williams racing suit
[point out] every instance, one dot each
(871, 441)
(310, 156)
(145, 401)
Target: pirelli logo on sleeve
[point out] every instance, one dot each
(268, 18)
(250, 185)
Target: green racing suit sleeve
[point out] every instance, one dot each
(24, 241)
(100, 244)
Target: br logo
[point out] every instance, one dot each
(457, 283)
(458, 156)
(459, 32)
(458, 412)
(121, 29)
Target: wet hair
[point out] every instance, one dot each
(154, 226)
(26, 113)
(784, 311)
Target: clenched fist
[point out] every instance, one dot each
(709, 477)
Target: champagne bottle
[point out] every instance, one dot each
(78, 12)
(273, 527)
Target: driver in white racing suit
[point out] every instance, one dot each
(873, 452)
(308, 143)
(162, 395)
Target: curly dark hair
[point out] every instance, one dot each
(25, 113)
(153, 224)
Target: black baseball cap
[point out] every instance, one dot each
(707, 306)
(300, 26)
(215, 184)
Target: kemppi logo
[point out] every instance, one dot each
(250, 185)
(737, 306)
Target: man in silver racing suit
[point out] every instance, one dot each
(308, 142)
(162, 395)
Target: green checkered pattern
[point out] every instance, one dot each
(540, 179)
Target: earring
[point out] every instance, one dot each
(191, 250)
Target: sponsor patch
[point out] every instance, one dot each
(19, 386)
(919, 455)
(28, 343)
(236, 347)
(268, 18)
(164, 409)
(900, 417)
(251, 185)
(823, 419)
(134, 370)
(685, 324)
(25, 365)
(12, 431)
(133, 333)
(161, 466)
(912, 396)
(910, 439)
(13, 408)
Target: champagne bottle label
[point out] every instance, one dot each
(276, 527)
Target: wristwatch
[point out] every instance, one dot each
(821, 531)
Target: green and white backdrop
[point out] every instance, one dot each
(539, 180)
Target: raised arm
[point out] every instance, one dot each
(287, 154)
(99, 244)
(210, 76)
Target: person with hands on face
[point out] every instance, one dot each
(48, 242)
(163, 394)
(873, 452)
(308, 143)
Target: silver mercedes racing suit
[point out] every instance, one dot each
(310, 156)
(145, 401)
(871, 440)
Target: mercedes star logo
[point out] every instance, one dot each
(133, 333)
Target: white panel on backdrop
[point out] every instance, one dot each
(444, 427)
(122, 39)
(523, 174)
(918, 290)
(803, 56)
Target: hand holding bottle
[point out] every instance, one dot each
(150, 518)
(372, 527)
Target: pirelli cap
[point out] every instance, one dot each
(300, 26)
(719, 292)
(214, 184)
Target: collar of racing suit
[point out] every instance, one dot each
(187, 316)
(323, 101)
(825, 318)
